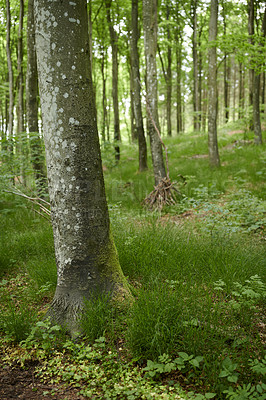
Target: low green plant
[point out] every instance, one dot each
(229, 370)
(166, 365)
(246, 392)
(44, 335)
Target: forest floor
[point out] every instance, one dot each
(18, 383)
(196, 269)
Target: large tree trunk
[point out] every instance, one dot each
(136, 88)
(114, 45)
(37, 156)
(150, 45)
(212, 109)
(86, 257)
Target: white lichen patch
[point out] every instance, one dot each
(72, 19)
(73, 67)
(58, 63)
(53, 46)
(61, 110)
(63, 76)
(66, 95)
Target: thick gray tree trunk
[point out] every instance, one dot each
(136, 87)
(37, 156)
(150, 45)
(86, 256)
(212, 108)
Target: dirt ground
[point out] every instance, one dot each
(17, 383)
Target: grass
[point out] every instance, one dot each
(197, 271)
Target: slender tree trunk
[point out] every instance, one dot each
(251, 71)
(37, 156)
(226, 75)
(114, 45)
(212, 110)
(136, 87)
(86, 257)
(10, 81)
(241, 92)
(195, 68)
(104, 117)
(256, 96)
(150, 46)
(178, 86)
(21, 141)
(169, 77)
(263, 91)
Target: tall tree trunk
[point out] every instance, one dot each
(21, 141)
(104, 117)
(86, 257)
(10, 81)
(263, 91)
(179, 123)
(241, 92)
(195, 67)
(150, 46)
(114, 45)
(212, 109)
(136, 87)
(37, 156)
(169, 76)
(256, 95)
(226, 73)
(251, 32)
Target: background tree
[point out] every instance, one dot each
(114, 45)
(86, 257)
(150, 45)
(136, 87)
(212, 108)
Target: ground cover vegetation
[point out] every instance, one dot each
(196, 269)
(186, 207)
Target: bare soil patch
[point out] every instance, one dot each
(18, 383)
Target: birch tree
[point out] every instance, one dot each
(86, 257)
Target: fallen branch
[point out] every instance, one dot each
(44, 206)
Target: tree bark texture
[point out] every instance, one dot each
(87, 261)
(114, 45)
(214, 158)
(150, 46)
(136, 87)
(37, 156)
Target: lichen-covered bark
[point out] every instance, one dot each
(150, 45)
(212, 108)
(85, 253)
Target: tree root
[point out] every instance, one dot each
(165, 193)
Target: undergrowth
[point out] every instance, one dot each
(196, 270)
